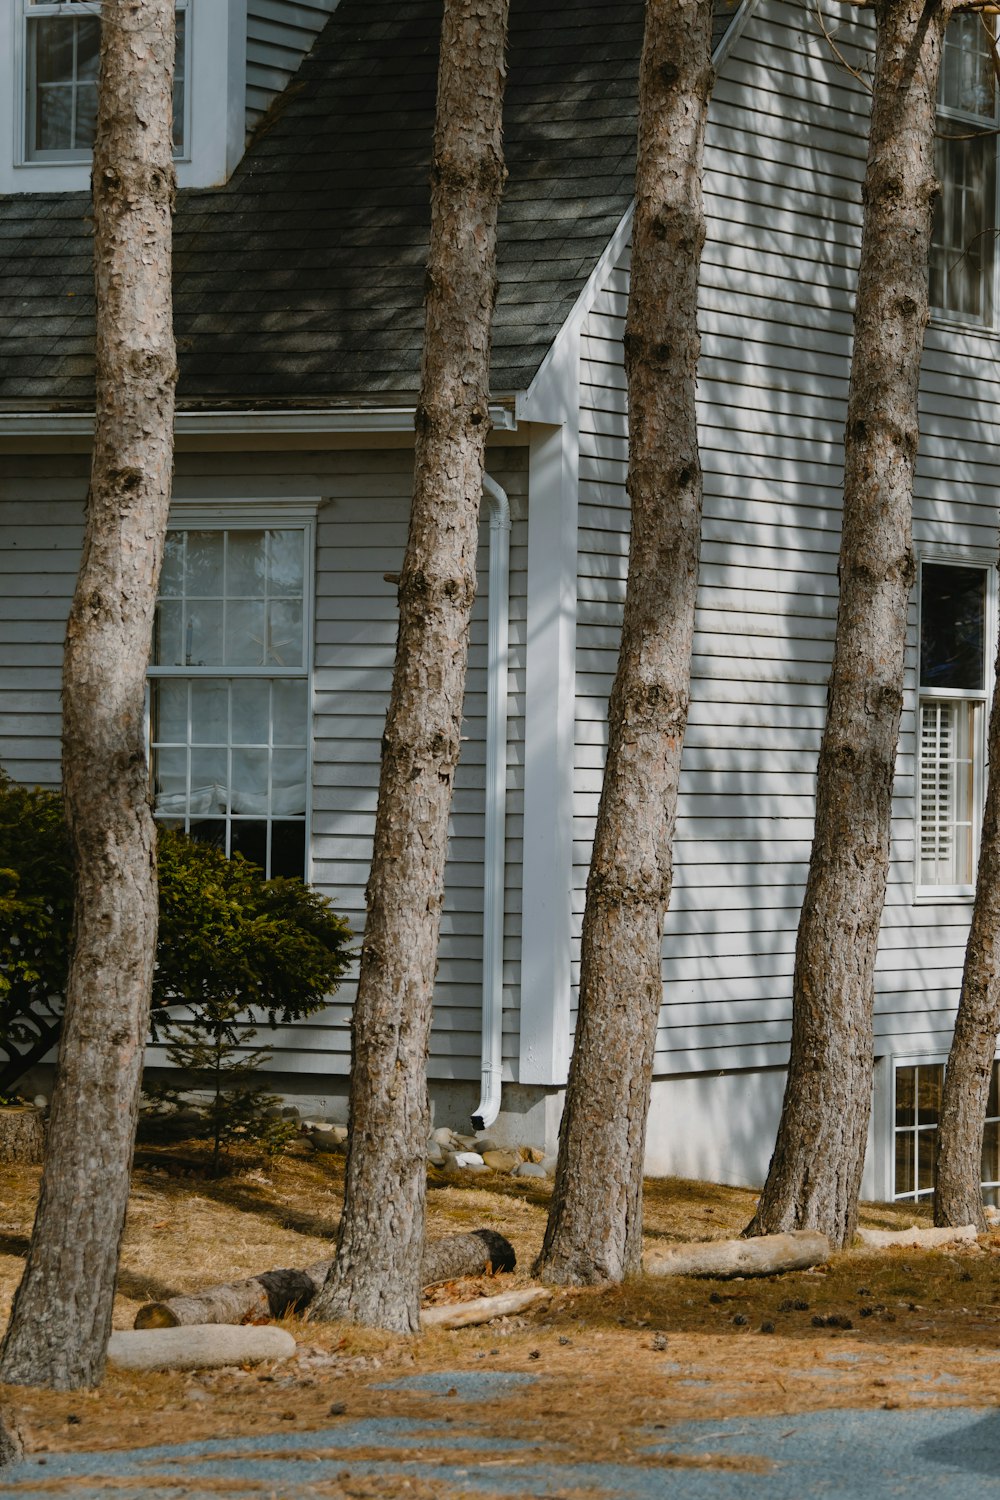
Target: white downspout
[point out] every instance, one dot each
(498, 619)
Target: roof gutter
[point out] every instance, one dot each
(305, 420)
(494, 859)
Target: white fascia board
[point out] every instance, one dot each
(223, 423)
(554, 384)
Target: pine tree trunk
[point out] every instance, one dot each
(375, 1278)
(61, 1317)
(815, 1172)
(958, 1195)
(595, 1220)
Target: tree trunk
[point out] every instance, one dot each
(815, 1172)
(375, 1278)
(274, 1293)
(22, 1136)
(61, 1318)
(595, 1222)
(958, 1195)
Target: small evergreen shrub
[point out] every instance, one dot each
(234, 948)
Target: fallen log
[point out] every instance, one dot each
(764, 1256)
(198, 1347)
(272, 1294)
(483, 1309)
(916, 1237)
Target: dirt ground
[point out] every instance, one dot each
(911, 1328)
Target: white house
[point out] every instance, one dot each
(299, 266)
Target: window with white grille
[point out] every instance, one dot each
(229, 691)
(952, 712)
(963, 250)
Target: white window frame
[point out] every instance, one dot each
(942, 316)
(258, 515)
(914, 1060)
(966, 557)
(214, 98)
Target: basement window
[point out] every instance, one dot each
(917, 1112)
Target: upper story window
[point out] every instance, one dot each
(954, 608)
(49, 53)
(963, 251)
(60, 47)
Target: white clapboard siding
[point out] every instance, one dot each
(361, 534)
(784, 166)
(279, 34)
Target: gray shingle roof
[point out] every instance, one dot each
(301, 280)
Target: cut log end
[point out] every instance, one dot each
(156, 1315)
(22, 1136)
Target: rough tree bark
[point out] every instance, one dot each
(815, 1172)
(958, 1195)
(61, 1317)
(594, 1228)
(375, 1277)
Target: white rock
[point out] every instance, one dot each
(326, 1140)
(444, 1136)
(435, 1155)
(464, 1161)
(199, 1346)
(465, 1142)
(529, 1169)
(549, 1164)
(40, 1101)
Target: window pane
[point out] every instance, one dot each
(54, 118)
(926, 1148)
(967, 79)
(209, 781)
(905, 1163)
(203, 646)
(205, 564)
(245, 633)
(170, 781)
(992, 1104)
(929, 1083)
(906, 1084)
(209, 713)
(250, 840)
(172, 572)
(250, 777)
(168, 634)
(247, 565)
(291, 719)
(170, 705)
(284, 634)
(288, 776)
(52, 38)
(288, 849)
(952, 626)
(251, 712)
(286, 572)
(88, 48)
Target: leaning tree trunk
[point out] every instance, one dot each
(375, 1277)
(815, 1172)
(61, 1317)
(594, 1228)
(958, 1195)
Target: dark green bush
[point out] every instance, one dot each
(233, 947)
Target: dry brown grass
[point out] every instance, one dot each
(612, 1359)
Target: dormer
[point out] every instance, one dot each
(233, 57)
